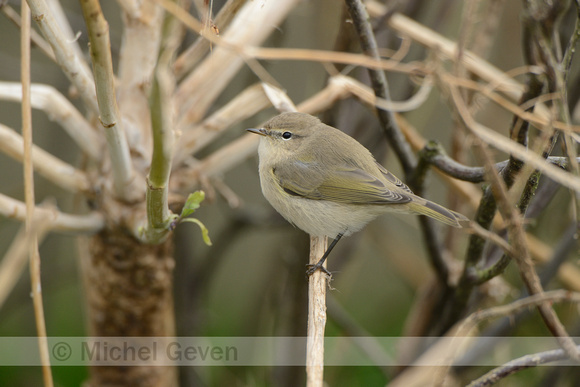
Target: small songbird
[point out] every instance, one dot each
(327, 184)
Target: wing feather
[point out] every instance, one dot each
(347, 184)
(393, 179)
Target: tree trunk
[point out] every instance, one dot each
(129, 293)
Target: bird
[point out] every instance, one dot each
(326, 183)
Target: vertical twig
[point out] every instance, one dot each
(100, 47)
(316, 316)
(158, 213)
(34, 258)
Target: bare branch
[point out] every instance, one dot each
(368, 44)
(303, 54)
(519, 364)
(509, 146)
(317, 285)
(473, 320)
(142, 29)
(190, 57)
(247, 103)
(58, 108)
(278, 98)
(436, 41)
(363, 92)
(57, 221)
(55, 170)
(71, 37)
(70, 62)
(100, 47)
(211, 76)
(34, 36)
(517, 238)
(224, 158)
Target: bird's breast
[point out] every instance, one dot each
(316, 217)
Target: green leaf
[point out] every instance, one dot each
(192, 203)
(204, 231)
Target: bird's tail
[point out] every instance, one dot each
(433, 210)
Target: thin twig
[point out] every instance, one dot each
(33, 254)
(423, 35)
(392, 131)
(191, 56)
(519, 364)
(199, 89)
(401, 23)
(473, 320)
(447, 47)
(528, 178)
(360, 19)
(504, 144)
(434, 154)
(530, 99)
(517, 238)
(365, 93)
(317, 285)
(548, 50)
(323, 56)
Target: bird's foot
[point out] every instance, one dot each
(319, 266)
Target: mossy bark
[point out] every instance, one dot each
(129, 293)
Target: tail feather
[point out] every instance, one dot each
(437, 212)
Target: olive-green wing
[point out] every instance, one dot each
(344, 185)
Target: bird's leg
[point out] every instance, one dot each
(318, 265)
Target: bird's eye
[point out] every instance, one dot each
(286, 135)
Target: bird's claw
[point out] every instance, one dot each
(319, 266)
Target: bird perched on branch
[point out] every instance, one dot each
(327, 184)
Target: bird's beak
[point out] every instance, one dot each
(261, 132)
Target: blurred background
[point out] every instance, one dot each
(251, 282)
